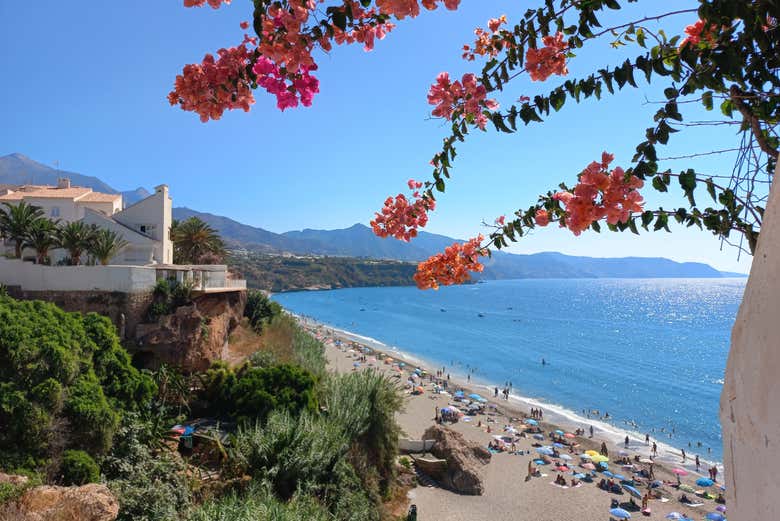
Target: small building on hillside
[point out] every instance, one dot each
(147, 257)
(144, 225)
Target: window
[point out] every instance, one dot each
(55, 211)
(143, 228)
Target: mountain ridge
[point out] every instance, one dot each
(359, 241)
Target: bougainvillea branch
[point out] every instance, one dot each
(730, 53)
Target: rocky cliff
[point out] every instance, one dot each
(193, 336)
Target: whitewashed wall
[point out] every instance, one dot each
(35, 277)
(750, 401)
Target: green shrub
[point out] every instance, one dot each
(262, 359)
(260, 310)
(64, 382)
(78, 468)
(258, 391)
(150, 484)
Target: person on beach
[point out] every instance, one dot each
(468, 377)
(626, 441)
(655, 449)
(591, 431)
(603, 450)
(683, 454)
(697, 463)
(436, 415)
(647, 439)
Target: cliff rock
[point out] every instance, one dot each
(193, 336)
(465, 460)
(91, 502)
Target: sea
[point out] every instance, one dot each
(650, 353)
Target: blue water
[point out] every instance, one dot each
(649, 351)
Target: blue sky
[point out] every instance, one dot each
(85, 84)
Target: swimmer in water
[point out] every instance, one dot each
(544, 362)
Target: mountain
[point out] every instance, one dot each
(359, 241)
(18, 169)
(130, 197)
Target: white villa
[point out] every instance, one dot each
(145, 226)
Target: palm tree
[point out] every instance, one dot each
(41, 236)
(16, 221)
(105, 245)
(75, 237)
(195, 242)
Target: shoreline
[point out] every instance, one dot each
(556, 416)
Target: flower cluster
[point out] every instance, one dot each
(487, 43)
(302, 85)
(282, 40)
(400, 217)
(211, 87)
(365, 29)
(550, 59)
(618, 197)
(213, 3)
(453, 266)
(466, 95)
(403, 8)
(699, 33)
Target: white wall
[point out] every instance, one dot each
(154, 213)
(750, 400)
(36, 277)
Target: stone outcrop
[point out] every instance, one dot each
(465, 460)
(193, 336)
(91, 502)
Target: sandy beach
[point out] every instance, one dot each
(508, 495)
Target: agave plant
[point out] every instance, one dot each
(105, 245)
(16, 221)
(41, 236)
(75, 237)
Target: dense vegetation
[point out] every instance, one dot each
(277, 273)
(28, 228)
(64, 382)
(304, 444)
(195, 242)
(260, 310)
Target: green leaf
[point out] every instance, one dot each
(340, 20)
(706, 100)
(632, 226)
(711, 188)
(688, 183)
(440, 185)
(647, 218)
(661, 222)
(659, 184)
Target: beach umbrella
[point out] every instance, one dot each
(656, 484)
(558, 445)
(592, 453)
(633, 491)
(356, 364)
(475, 396)
(621, 477)
(568, 435)
(620, 513)
(529, 421)
(720, 508)
(603, 465)
(566, 457)
(680, 472)
(598, 458)
(544, 450)
(585, 456)
(715, 516)
(674, 515)
(458, 394)
(562, 468)
(559, 432)
(645, 460)
(419, 389)
(589, 466)
(401, 364)
(608, 474)
(540, 462)
(705, 482)
(538, 437)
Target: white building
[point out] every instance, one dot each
(144, 225)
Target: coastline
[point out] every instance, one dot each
(556, 416)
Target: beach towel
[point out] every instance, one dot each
(693, 505)
(553, 483)
(578, 485)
